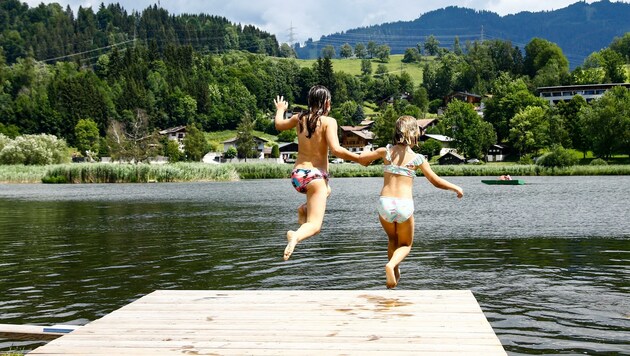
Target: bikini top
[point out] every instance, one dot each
(408, 170)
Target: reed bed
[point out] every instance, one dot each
(262, 170)
(21, 174)
(201, 172)
(138, 173)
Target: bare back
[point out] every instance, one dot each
(395, 185)
(313, 151)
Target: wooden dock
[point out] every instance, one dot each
(274, 322)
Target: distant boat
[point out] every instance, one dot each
(504, 182)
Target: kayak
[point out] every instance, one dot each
(504, 182)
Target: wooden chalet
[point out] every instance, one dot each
(356, 138)
(451, 158)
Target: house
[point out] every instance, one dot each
(497, 153)
(451, 158)
(463, 96)
(424, 124)
(368, 123)
(356, 138)
(260, 144)
(445, 141)
(467, 97)
(177, 134)
(567, 92)
(288, 151)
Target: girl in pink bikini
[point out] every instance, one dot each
(317, 133)
(396, 206)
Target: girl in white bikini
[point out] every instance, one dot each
(316, 134)
(396, 204)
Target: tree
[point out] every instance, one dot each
(172, 151)
(245, 144)
(432, 45)
(420, 99)
(431, 148)
(382, 53)
(381, 69)
(287, 51)
(528, 130)
(132, 141)
(287, 136)
(366, 67)
(614, 66)
(230, 153)
(87, 137)
(345, 51)
(472, 135)
(34, 150)
(539, 52)
(275, 151)
(621, 45)
(607, 121)
(371, 49)
(360, 51)
(385, 126)
(346, 111)
(411, 55)
(325, 74)
(329, 52)
(570, 112)
(195, 145)
(509, 97)
(457, 48)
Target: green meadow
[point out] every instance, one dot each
(353, 66)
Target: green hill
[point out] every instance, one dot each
(353, 66)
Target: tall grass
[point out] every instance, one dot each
(196, 172)
(262, 170)
(21, 174)
(138, 173)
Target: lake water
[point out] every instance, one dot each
(549, 262)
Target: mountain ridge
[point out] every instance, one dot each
(579, 29)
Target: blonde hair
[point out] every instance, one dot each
(407, 131)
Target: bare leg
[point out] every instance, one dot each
(392, 245)
(316, 196)
(404, 232)
(302, 214)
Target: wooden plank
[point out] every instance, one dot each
(288, 323)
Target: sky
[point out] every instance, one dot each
(300, 20)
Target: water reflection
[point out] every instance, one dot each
(548, 262)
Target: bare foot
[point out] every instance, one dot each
(391, 277)
(397, 274)
(291, 242)
(302, 214)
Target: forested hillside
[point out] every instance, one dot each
(50, 33)
(579, 29)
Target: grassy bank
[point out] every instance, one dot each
(200, 172)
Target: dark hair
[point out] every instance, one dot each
(318, 95)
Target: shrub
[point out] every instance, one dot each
(598, 162)
(35, 150)
(527, 159)
(558, 157)
(230, 153)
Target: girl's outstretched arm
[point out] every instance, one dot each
(333, 142)
(281, 107)
(439, 182)
(367, 157)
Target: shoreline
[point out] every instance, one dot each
(85, 173)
